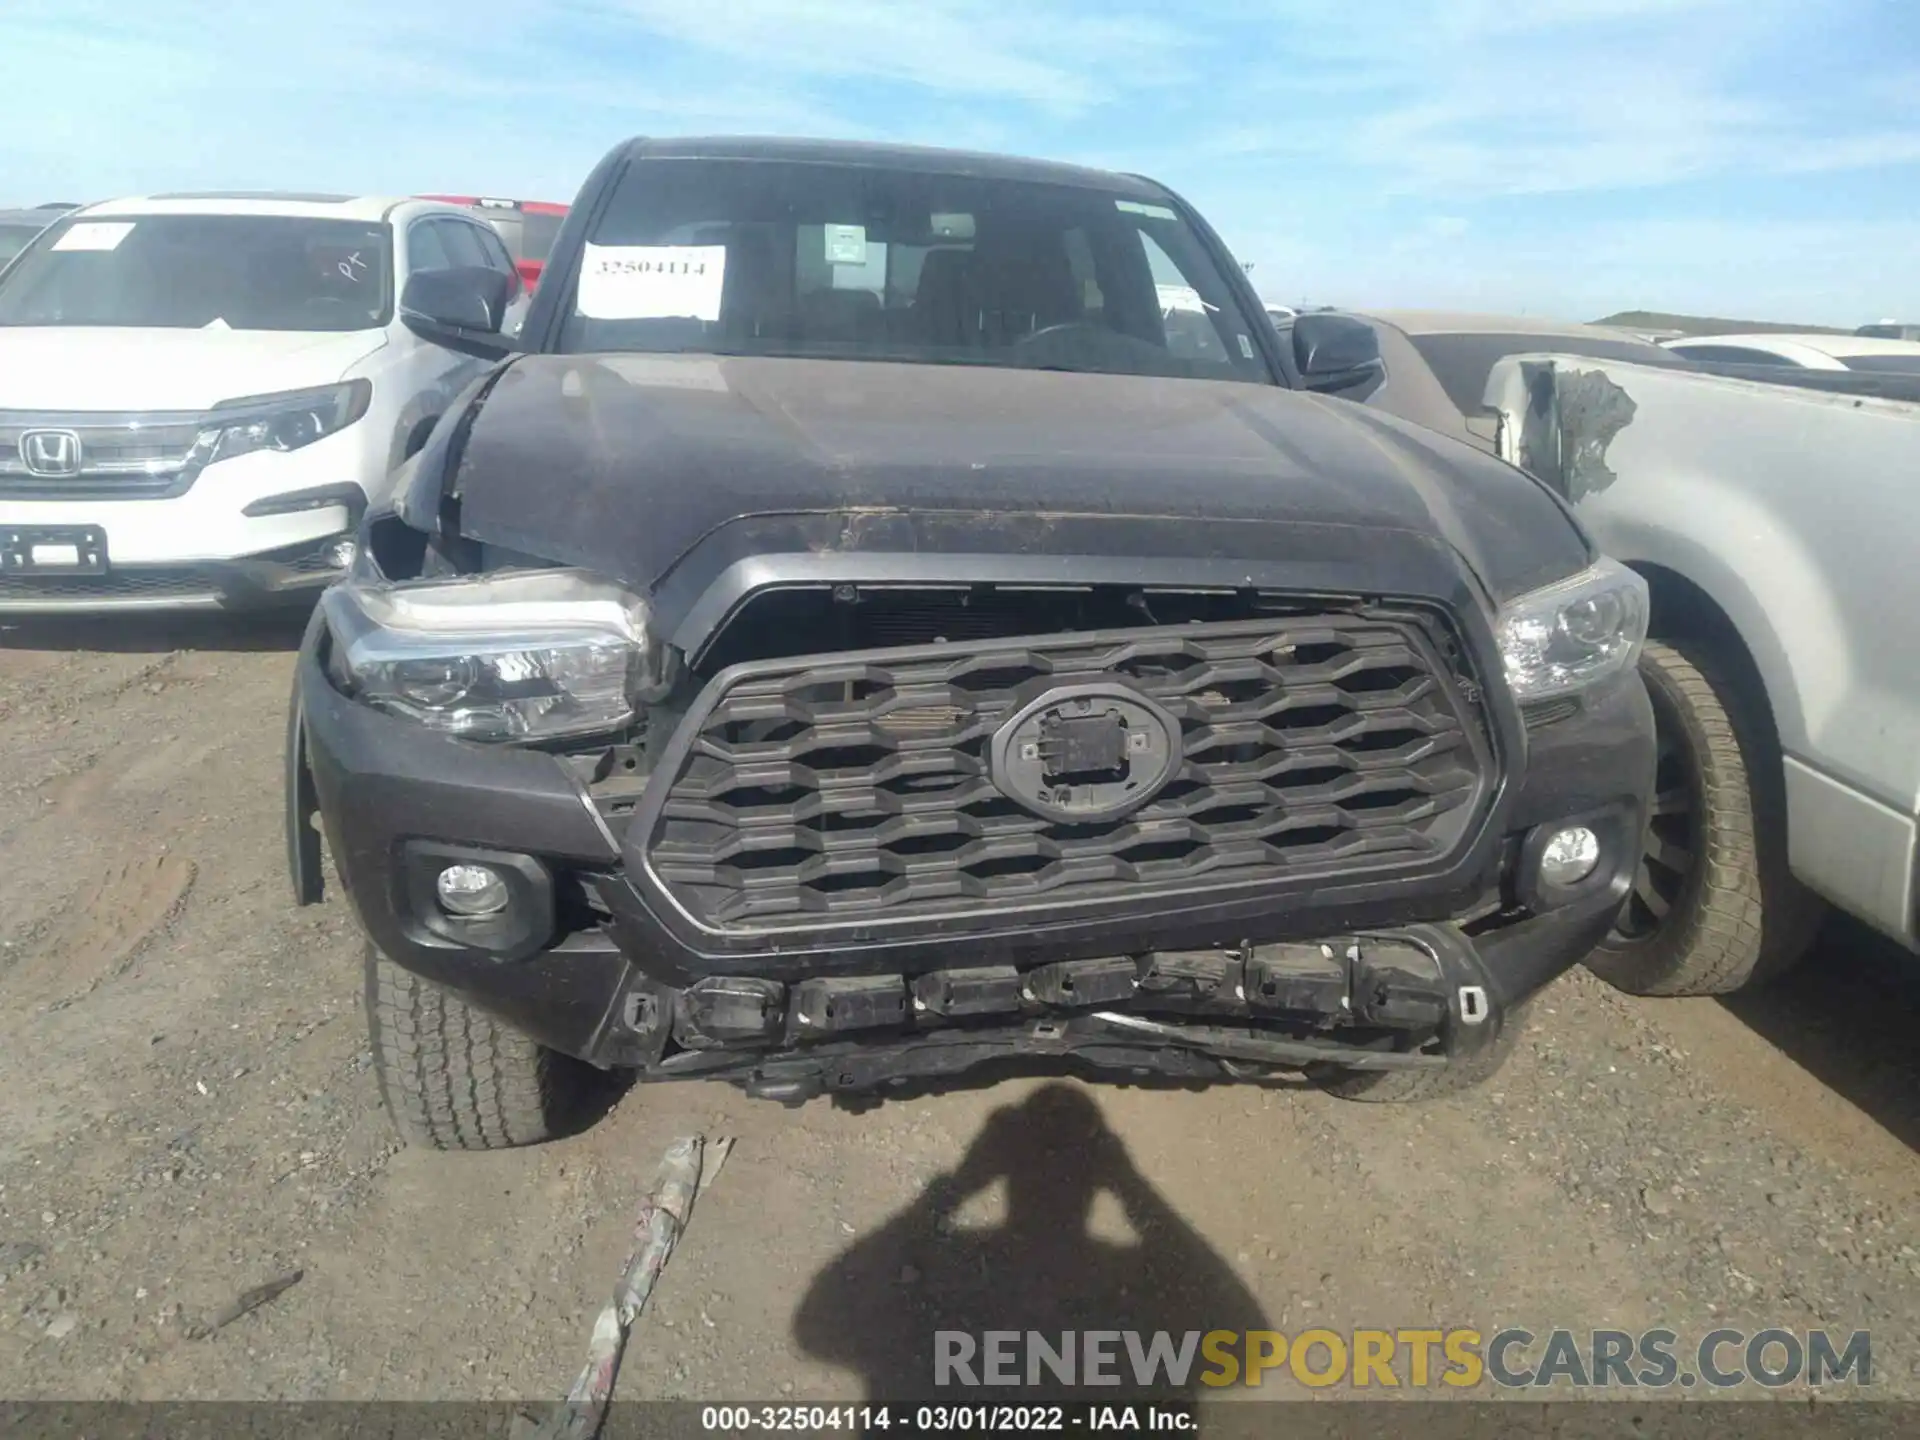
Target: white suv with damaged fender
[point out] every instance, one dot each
(200, 394)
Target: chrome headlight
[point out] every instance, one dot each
(522, 655)
(284, 421)
(1573, 633)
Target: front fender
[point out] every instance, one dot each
(304, 869)
(1790, 630)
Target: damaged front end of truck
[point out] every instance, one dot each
(847, 797)
(824, 686)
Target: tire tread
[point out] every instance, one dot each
(1748, 918)
(452, 1077)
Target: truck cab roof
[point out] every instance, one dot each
(924, 158)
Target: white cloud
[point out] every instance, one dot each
(1404, 151)
(355, 95)
(1471, 98)
(1046, 55)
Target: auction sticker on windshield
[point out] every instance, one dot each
(846, 244)
(652, 282)
(95, 235)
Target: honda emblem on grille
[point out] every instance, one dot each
(1082, 753)
(50, 452)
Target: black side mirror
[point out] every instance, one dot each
(462, 308)
(1335, 352)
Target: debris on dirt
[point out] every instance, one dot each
(710, 1162)
(63, 1326)
(662, 1218)
(16, 1255)
(245, 1304)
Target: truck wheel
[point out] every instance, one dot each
(1714, 906)
(453, 1078)
(1396, 1087)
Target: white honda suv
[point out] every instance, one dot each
(201, 394)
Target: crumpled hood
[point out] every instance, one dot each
(626, 463)
(86, 367)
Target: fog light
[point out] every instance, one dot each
(471, 890)
(1569, 856)
(340, 554)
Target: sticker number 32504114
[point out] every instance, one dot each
(652, 282)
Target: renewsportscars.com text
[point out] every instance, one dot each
(1403, 1358)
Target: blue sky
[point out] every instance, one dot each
(1758, 158)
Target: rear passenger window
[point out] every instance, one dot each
(462, 242)
(495, 248)
(510, 226)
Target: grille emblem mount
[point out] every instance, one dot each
(1085, 753)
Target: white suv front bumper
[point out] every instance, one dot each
(248, 532)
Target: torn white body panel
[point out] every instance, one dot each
(1795, 512)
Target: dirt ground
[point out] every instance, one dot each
(189, 1111)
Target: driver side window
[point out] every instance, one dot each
(425, 251)
(1191, 331)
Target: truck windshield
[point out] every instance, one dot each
(14, 239)
(875, 263)
(192, 272)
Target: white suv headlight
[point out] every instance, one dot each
(523, 655)
(287, 420)
(1573, 633)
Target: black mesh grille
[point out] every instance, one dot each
(183, 583)
(858, 785)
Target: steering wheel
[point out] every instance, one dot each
(1060, 327)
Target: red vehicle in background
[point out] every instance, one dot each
(527, 226)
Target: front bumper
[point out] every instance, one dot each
(287, 577)
(247, 533)
(287, 556)
(592, 966)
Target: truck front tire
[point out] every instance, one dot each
(1714, 906)
(454, 1078)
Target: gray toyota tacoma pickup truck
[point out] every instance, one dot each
(849, 637)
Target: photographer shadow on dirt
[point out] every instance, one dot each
(1058, 1257)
